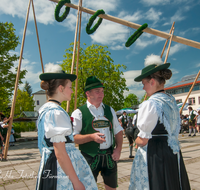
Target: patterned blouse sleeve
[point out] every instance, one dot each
(57, 125)
(147, 119)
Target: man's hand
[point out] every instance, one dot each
(98, 137)
(116, 154)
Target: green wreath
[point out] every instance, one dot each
(57, 10)
(136, 35)
(93, 17)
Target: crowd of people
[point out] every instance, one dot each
(158, 162)
(3, 134)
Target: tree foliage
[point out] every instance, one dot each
(27, 88)
(95, 60)
(130, 101)
(8, 42)
(24, 102)
(142, 99)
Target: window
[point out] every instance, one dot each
(38, 102)
(179, 101)
(196, 87)
(191, 101)
(199, 99)
(186, 89)
(178, 91)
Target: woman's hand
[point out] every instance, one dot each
(141, 141)
(78, 186)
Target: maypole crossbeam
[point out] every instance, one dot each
(136, 26)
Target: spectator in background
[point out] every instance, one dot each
(192, 115)
(1, 145)
(197, 117)
(123, 120)
(12, 138)
(129, 134)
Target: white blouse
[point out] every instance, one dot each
(57, 125)
(147, 119)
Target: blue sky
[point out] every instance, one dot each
(55, 37)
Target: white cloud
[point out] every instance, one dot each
(106, 5)
(134, 87)
(111, 34)
(178, 16)
(174, 49)
(44, 10)
(28, 32)
(174, 71)
(155, 2)
(130, 75)
(153, 15)
(132, 18)
(194, 30)
(146, 40)
(197, 65)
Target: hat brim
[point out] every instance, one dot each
(155, 69)
(50, 76)
(93, 87)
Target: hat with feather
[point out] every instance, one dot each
(153, 63)
(55, 72)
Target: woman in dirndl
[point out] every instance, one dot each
(158, 163)
(62, 166)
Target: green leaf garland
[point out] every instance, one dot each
(136, 35)
(57, 10)
(90, 31)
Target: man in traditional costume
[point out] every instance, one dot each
(192, 115)
(123, 120)
(97, 131)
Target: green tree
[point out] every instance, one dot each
(130, 100)
(8, 42)
(27, 88)
(23, 102)
(142, 99)
(95, 60)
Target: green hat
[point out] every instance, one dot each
(155, 64)
(92, 82)
(56, 72)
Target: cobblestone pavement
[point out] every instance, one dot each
(19, 172)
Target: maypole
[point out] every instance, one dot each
(171, 32)
(74, 50)
(136, 26)
(78, 51)
(18, 74)
(16, 86)
(40, 52)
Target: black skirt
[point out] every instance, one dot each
(163, 168)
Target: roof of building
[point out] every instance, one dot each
(185, 81)
(40, 92)
(27, 116)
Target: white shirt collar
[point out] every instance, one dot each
(91, 105)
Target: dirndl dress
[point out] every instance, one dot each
(157, 165)
(54, 125)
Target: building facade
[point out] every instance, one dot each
(181, 89)
(39, 98)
